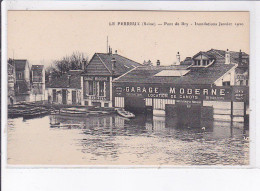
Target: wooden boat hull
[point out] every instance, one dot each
(73, 114)
(14, 114)
(125, 114)
(35, 114)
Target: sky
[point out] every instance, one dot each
(43, 36)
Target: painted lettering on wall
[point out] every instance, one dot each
(185, 92)
(96, 78)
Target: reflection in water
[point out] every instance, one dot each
(111, 139)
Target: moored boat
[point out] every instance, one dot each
(35, 112)
(78, 112)
(17, 110)
(122, 112)
(13, 113)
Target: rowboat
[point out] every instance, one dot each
(78, 112)
(17, 110)
(35, 112)
(122, 112)
(98, 113)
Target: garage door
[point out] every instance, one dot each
(135, 104)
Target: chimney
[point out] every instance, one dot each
(227, 57)
(84, 64)
(109, 50)
(113, 65)
(240, 58)
(178, 59)
(158, 63)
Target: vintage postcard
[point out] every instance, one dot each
(128, 88)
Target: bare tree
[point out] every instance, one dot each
(62, 66)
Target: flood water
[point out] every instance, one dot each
(113, 140)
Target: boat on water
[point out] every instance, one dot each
(122, 112)
(35, 112)
(78, 112)
(18, 110)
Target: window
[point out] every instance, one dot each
(54, 94)
(226, 83)
(198, 62)
(101, 88)
(90, 87)
(205, 62)
(172, 73)
(19, 75)
(37, 89)
(37, 78)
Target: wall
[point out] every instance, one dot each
(69, 95)
(221, 110)
(27, 72)
(107, 99)
(229, 76)
(40, 87)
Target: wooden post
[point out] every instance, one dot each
(231, 114)
(244, 111)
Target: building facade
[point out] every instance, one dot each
(22, 85)
(38, 92)
(204, 88)
(11, 83)
(65, 90)
(98, 75)
(25, 83)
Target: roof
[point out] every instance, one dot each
(37, 67)
(68, 80)
(171, 73)
(187, 61)
(122, 64)
(207, 54)
(220, 54)
(197, 75)
(20, 64)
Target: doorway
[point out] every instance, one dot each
(74, 96)
(64, 96)
(184, 115)
(188, 115)
(54, 95)
(135, 104)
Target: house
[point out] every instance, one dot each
(11, 82)
(191, 90)
(98, 75)
(65, 89)
(22, 85)
(38, 83)
(239, 76)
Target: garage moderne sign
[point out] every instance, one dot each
(199, 93)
